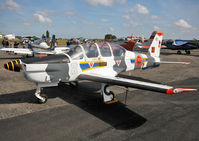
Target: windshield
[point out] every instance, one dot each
(105, 50)
(95, 50)
(91, 51)
(76, 53)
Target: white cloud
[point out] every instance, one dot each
(73, 22)
(104, 2)
(111, 29)
(183, 24)
(135, 24)
(126, 17)
(139, 9)
(10, 5)
(25, 22)
(156, 27)
(87, 22)
(69, 13)
(126, 25)
(45, 12)
(154, 17)
(41, 17)
(104, 20)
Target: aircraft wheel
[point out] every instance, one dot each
(111, 93)
(179, 52)
(188, 52)
(43, 100)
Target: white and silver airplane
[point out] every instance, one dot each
(95, 62)
(10, 36)
(44, 48)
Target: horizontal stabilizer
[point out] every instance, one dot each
(147, 47)
(169, 62)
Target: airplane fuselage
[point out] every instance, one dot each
(66, 70)
(95, 62)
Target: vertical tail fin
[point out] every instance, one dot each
(52, 44)
(156, 41)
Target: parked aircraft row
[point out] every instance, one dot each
(185, 45)
(34, 46)
(140, 45)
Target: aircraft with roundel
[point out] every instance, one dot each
(98, 62)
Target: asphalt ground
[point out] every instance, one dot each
(80, 114)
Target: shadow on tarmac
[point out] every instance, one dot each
(174, 53)
(89, 100)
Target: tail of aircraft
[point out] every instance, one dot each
(156, 40)
(52, 44)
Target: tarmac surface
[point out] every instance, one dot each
(80, 114)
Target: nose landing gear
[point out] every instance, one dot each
(41, 97)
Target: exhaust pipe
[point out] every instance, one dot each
(13, 66)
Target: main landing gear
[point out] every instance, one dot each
(179, 52)
(108, 95)
(188, 52)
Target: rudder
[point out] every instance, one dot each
(52, 44)
(154, 49)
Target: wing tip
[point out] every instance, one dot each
(179, 90)
(186, 63)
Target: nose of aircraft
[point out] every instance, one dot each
(13, 66)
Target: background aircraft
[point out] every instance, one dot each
(141, 44)
(10, 36)
(39, 44)
(185, 45)
(95, 62)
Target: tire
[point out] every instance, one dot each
(111, 93)
(179, 52)
(188, 52)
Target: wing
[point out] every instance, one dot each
(17, 50)
(25, 51)
(44, 52)
(134, 84)
(181, 42)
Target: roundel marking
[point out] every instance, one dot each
(139, 60)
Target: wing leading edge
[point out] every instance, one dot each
(17, 50)
(134, 84)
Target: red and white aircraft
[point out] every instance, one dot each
(139, 45)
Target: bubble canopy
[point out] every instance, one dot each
(96, 50)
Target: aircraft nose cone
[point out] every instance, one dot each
(13, 66)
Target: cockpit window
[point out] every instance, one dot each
(76, 53)
(91, 51)
(105, 50)
(117, 50)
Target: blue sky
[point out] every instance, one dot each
(95, 18)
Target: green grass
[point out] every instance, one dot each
(61, 42)
(1, 42)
